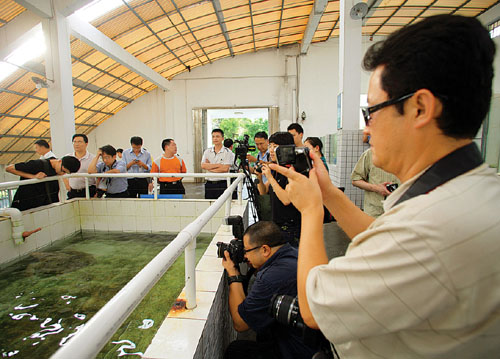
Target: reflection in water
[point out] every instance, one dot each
(21, 316)
(128, 345)
(65, 339)
(50, 330)
(20, 307)
(79, 316)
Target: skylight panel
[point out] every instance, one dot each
(97, 8)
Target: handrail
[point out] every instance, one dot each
(101, 327)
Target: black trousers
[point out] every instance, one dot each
(117, 195)
(172, 188)
(213, 189)
(79, 193)
(137, 186)
(248, 349)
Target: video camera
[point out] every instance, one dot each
(235, 246)
(298, 157)
(243, 147)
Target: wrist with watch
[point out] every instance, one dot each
(235, 279)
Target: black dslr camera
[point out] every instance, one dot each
(235, 246)
(298, 157)
(285, 309)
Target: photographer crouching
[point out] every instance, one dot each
(276, 265)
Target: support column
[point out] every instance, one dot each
(60, 83)
(349, 136)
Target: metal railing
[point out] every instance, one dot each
(101, 327)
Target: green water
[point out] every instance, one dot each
(48, 296)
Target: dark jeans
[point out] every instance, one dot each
(79, 193)
(137, 186)
(172, 188)
(248, 349)
(213, 189)
(117, 195)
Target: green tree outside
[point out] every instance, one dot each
(236, 128)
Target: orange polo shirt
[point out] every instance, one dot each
(169, 165)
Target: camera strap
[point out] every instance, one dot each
(454, 164)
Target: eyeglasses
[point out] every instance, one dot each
(367, 111)
(251, 249)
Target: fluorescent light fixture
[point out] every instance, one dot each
(97, 8)
(31, 49)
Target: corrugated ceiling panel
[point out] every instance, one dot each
(149, 11)
(228, 4)
(468, 12)
(6, 123)
(392, 2)
(79, 48)
(167, 5)
(122, 23)
(41, 111)
(265, 43)
(297, 11)
(78, 68)
(24, 84)
(243, 48)
(480, 3)
(448, 3)
(143, 45)
(266, 35)
(219, 54)
(291, 38)
(265, 6)
(26, 106)
(238, 24)
(198, 11)
(267, 17)
(7, 101)
(9, 10)
(409, 12)
(236, 13)
(382, 13)
(159, 25)
(399, 21)
(431, 12)
(418, 2)
(202, 22)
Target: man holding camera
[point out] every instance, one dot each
(276, 265)
(423, 279)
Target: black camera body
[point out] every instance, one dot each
(243, 147)
(298, 157)
(235, 246)
(391, 187)
(258, 167)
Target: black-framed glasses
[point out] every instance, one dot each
(367, 111)
(251, 249)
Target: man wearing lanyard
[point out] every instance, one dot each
(116, 186)
(217, 159)
(137, 160)
(421, 280)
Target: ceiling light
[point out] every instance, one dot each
(98, 8)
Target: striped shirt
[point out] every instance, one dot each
(423, 281)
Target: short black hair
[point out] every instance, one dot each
(449, 55)
(72, 164)
(264, 232)
(261, 134)
(218, 130)
(315, 141)
(109, 150)
(119, 150)
(228, 142)
(42, 143)
(296, 127)
(136, 140)
(166, 142)
(281, 138)
(85, 138)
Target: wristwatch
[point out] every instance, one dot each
(234, 278)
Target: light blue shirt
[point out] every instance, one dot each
(265, 158)
(117, 184)
(144, 156)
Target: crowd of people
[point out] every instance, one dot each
(421, 275)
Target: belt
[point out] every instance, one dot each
(216, 181)
(172, 183)
(80, 189)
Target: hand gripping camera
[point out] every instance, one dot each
(235, 246)
(298, 157)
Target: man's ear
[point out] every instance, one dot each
(426, 106)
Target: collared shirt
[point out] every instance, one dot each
(366, 171)
(278, 275)
(264, 158)
(174, 164)
(223, 157)
(423, 281)
(144, 156)
(79, 183)
(48, 155)
(116, 184)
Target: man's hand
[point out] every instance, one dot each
(229, 266)
(382, 189)
(251, 158)
(150, 187)
(304, 192)
(99, 153)
(40, 175)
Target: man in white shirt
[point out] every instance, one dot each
(76, 186)
(216, 159)
(43, 149)
(423, 279)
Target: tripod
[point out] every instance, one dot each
(249, 183)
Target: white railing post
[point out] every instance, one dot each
(240, 192)
(62, 190)
(190, 274)
(155, 189)
(228, 203)
(87, 191)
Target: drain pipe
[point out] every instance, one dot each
(17, 223)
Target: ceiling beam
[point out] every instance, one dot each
(24, 136)
(222, 24)
(98, 90)
(95, 38)
(251, 22)
(42, 8)
(16, 32)
(312, 24)
(281, 22)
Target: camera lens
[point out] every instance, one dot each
(221, 247)
(285, 309)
